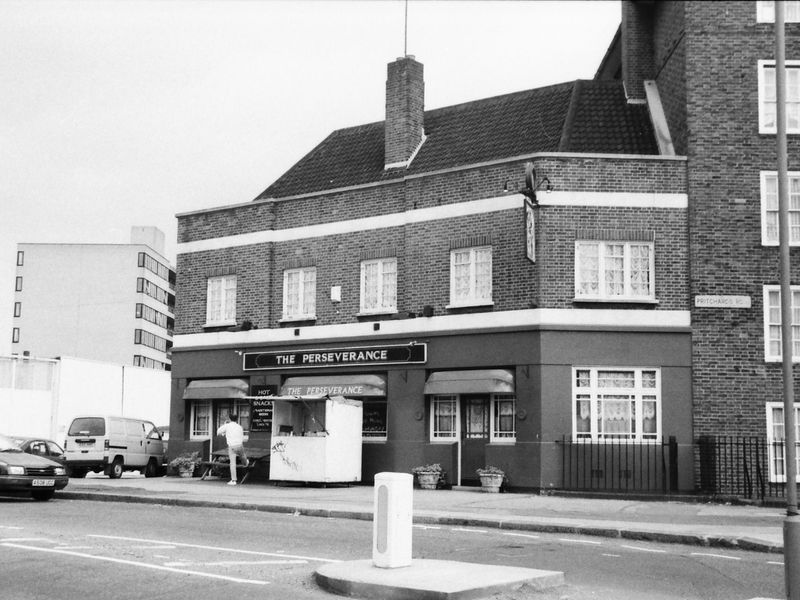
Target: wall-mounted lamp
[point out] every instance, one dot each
(533, 183)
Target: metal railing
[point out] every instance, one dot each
(740, 466)
(619, 465)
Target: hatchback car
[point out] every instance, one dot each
(41, 447)
(23, 473)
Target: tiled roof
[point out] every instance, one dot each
(580, 116)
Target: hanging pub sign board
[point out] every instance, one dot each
(530, 232)
(260, 408)
(337, 357)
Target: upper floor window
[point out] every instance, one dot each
(772, 323)
(18, 286)
(221, 300)
(769, 208)
(611, 404)
(767, 107)
(153, 265)
(614, 270)
(471, 276)
(765, 11)
(15, 335)
(20, 258)
(300, 293)
(379, 285)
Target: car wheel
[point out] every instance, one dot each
(115, 469)
(151, 470)
(43, 495)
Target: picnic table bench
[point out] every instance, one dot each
(220, 463)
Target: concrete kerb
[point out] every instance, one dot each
(429, 519)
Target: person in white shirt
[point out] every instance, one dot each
(234, 435)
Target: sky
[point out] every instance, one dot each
(118, 113)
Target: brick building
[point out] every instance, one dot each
(502, 282)
(713, 65)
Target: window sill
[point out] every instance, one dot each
(376, 313)
(503, 442)
(298, 319)
(220, 324)
(443, 442)
(611, 300)
(469, 305)
(374, 440)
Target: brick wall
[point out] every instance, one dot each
(723, 44)
(423, 249)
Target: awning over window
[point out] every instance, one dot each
(480, 381)
(348, 386)
(204, 389)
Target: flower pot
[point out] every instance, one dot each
(186, 471)
(491, 483)
(428, 481)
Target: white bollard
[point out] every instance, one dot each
(391, 524)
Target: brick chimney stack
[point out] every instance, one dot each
(405, 105)
(638, 58)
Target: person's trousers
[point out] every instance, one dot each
(233, 452)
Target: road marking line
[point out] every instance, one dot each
(579, 541)
(137, 564)
(714, 555)
(523, 535)
(774, 562)
(427, 527)
(640, 549)
(469, 530)
(25, 540)
(611, 555)
(233, 563)
(215, 548)
(9, 527)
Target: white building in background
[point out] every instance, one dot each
(107, 302)
(40, 397)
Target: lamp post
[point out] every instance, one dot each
(791, 526)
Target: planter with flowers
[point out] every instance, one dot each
(185, 463)
(428, 476)
(491, 479)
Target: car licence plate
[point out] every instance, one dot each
(44, 482)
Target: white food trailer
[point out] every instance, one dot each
(315, 439)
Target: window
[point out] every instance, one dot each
(149, 363)
(153, 316)
(238, 407)
(17, 309)
(18, 286)
(15, 335)
(613, 271)
(444, 418)
(769, 208)
(145, 338)
(379, 285)
(201, 419)
(504, 426)
(154, 266)
(772, 323)
(765, 11)
(373, 428)
(221, 300)
(775, 441)
(612, 404)
(767, 109)
(299, 294)
(144, 286)
(471, 276)
(20, 258)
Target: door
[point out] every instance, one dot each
(474, 435)
(134, 440)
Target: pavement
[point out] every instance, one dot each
(746, 527)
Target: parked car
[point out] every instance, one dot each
(41, 447)
(113, 445)
(23, 473)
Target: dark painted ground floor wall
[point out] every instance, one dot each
(516, 400)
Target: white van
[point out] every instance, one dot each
(113, 445)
